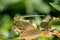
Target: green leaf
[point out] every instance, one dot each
(38, 5)
(55, 23)
(18, 39)
(56, 6)
(13, 33)
(5, 25)
(37, 20)
(42, 7)
(3, 37)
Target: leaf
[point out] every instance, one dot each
(13, 33)
(38, 5)
(55, 23)
(37, 20)
(56, 6)
(18, 39)
(42, 7)
(3, 37)
(5, 25)
(6, 22)
(5, 33)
